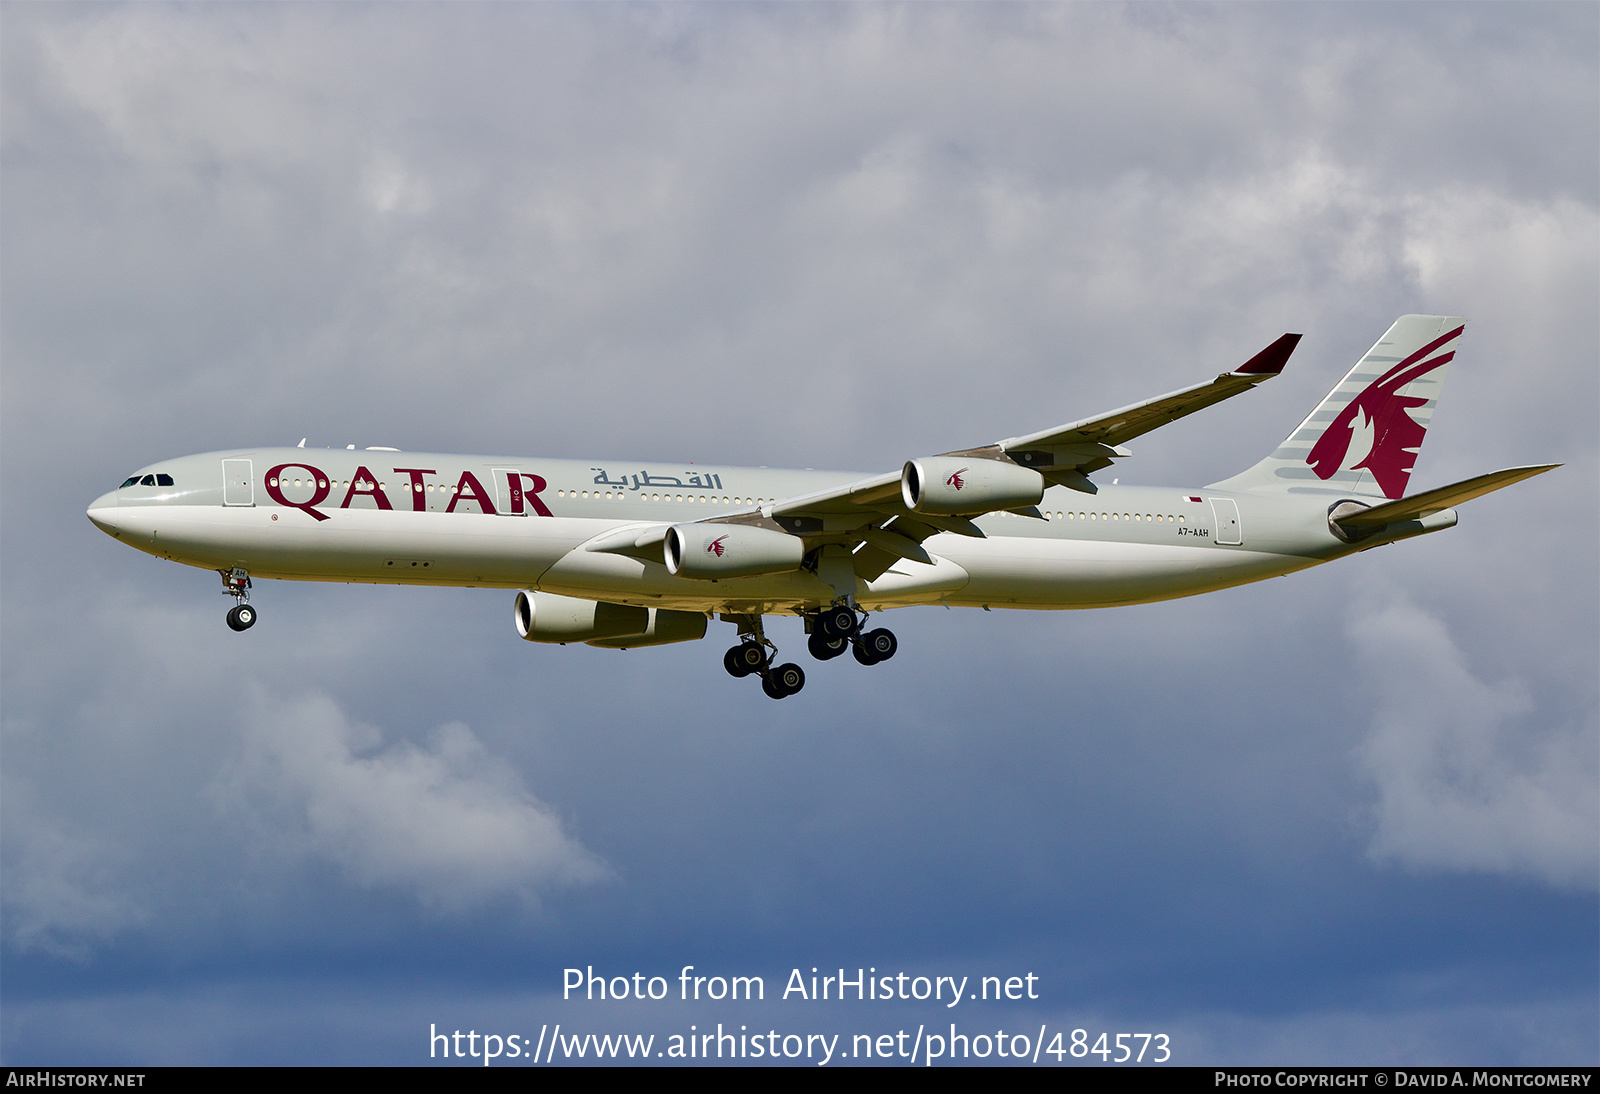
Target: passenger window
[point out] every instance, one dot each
(163, 480)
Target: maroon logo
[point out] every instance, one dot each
(1396, 436)
(317, 481)
(468, 488)
(523, 490)
(716, 546)
(365, 484)
(956, 480)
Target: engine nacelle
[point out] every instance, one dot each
(710, 551)
(547, 617)
(665, 626)
(965, 486)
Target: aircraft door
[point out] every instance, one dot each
(508, 496)
(1226, 513)
(237, 485)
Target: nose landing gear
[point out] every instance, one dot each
(236, 583)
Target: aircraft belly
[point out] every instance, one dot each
(1024, 572)
(908, 582)
(598, 575)
(357, 545)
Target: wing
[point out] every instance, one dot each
(870, 514)
(870, 517)
(1091, 444)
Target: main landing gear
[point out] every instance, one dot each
(833, 631)
(754, 655)
(236, 583)
(836, 629)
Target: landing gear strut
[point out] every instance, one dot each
(752, 657)
(236, 583)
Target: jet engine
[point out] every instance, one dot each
(966, 485)
(547, 617)
(711, 551)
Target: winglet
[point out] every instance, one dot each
(1270, 361)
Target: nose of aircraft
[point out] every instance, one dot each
(104, 513)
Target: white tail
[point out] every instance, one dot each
(1363, 438)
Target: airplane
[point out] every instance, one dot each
(626, 554)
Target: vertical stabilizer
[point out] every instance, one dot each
(1363, 438)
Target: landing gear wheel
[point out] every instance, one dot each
(824, 648)
(783, 680)
(836, 622)
(880, 643)
(874, 646)
(743, 659)
(241, 617)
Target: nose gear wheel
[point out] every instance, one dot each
(236, 583)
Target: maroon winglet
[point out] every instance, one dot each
(1270, 361)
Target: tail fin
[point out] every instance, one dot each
(1364, 436)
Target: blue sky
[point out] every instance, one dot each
(1349, 816)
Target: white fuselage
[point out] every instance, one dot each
(384, 516)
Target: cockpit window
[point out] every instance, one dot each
(147, 480)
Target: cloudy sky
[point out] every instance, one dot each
(1350, 816)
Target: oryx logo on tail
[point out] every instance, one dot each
(1389, 435)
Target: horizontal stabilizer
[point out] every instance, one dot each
(1436, 501)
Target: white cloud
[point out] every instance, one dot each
(1466, 781)
(63, 894)
(390, 187)
(450, 822)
